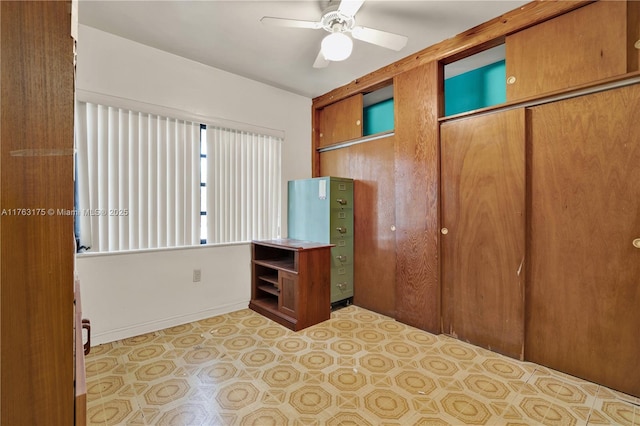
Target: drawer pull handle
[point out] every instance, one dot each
(86, 325)
(341, 229)
(342, 286)
(341, 258)
(342, 201)
(636, 243)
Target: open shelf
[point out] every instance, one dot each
(378, 111)
(267, 303)
(272, 279)
(279, 264)
(269, 308)
(269, 289)
(475, 82)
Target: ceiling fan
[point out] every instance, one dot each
(339, 20)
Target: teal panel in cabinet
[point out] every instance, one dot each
(475, 89)
(321, 210)
(378, 117)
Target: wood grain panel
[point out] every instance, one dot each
(633, 36)
(341, 121)
(315, 140)
(315, 297)
(371, 165)
(569, 50)
(335, 163)
(584, 293)
(36, 172)
(472, 40)
(417, 99)
(287, 296)
(483, 208)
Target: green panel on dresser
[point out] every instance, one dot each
(321, 209)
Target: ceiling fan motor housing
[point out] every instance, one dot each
(334, 21)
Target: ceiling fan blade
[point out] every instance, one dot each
(320, 62)
(381, 38)
(350, 7)
(291, 23)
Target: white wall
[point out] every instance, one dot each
(128, 294)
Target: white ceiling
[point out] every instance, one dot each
(228, 35)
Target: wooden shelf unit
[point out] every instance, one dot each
(290, 281)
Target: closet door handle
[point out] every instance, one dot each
(86, 325)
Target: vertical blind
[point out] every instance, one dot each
(243, 185)
(138, 179)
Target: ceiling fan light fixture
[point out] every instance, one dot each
(336, 46)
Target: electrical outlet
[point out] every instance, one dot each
(197, 275)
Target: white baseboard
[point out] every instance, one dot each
(148, 327)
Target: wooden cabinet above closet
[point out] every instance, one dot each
(340, 121)
(591, 43)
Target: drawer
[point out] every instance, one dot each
(341, 195)
(341, 290)
(345, 243)
(341, 214)
(341, 202)
(342, 256)
(342, 273)
(340, 229)
(343, 220)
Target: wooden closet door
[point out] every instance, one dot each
(583, 301)
(483, 211)
(371, 165)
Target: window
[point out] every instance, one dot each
(145, 181)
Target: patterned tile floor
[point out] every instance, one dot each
(358, 368)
